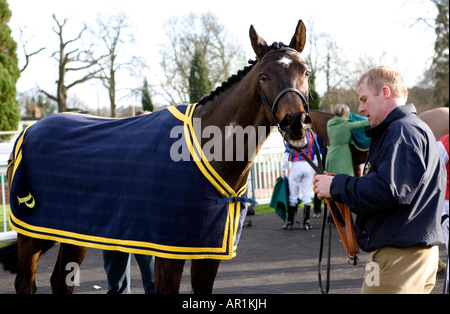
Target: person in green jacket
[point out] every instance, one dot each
(339, 128)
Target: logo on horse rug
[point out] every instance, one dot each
(111, 184)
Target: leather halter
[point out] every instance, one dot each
(282, 93)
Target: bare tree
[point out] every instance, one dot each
(116, 40)
(185, 35)
(332, 69)
(334, 72)
(81, 59)
(28, 55)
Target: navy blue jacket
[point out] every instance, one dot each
(399, 199)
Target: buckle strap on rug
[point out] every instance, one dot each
(236, 199)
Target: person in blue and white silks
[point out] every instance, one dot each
(301, 176)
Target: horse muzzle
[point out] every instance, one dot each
(294, 129)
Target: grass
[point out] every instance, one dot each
(1, 218)
(1, 222)
(262, 209)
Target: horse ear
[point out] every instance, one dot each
(258, 43)
(299, 39)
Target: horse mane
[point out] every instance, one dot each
(231, 80)
(236, 77)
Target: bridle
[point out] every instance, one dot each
(272, 107)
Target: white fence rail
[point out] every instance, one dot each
(5, 234)
(265, 171)
(6, 148)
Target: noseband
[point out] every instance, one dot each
(272, 107)
(281, 94)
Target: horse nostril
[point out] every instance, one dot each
(287, 122)
(306, 121)
(295, 123)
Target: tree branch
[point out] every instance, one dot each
(48, 95)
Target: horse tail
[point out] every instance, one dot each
(8, 257)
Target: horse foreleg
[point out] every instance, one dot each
(28, 252)
(65, 274)
(168, 274)
(203, 274)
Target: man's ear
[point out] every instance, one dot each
(386, 91)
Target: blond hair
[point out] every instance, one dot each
(385, 76)
(341, 110)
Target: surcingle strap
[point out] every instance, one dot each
(237, 199)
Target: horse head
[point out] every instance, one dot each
(284, 85)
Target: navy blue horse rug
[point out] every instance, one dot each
(112, 184)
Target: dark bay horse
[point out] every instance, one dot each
(272, 91)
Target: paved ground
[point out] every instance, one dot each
(269, 261)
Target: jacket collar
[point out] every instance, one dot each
(394, 115)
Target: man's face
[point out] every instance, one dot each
(373, 106)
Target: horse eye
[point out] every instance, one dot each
(307, 73)
(263, 78)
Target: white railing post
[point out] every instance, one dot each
(265, 171)
(5, 235)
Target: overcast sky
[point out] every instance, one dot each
(377, 28)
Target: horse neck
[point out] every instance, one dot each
(237, 108)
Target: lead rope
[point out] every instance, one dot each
(319, 170)
(348, 239)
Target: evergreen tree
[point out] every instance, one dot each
(199, 83)
(440, 66)
(9, 73)
(146, 100)
(314, 101)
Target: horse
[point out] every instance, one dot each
(437, 119)
(272, 91)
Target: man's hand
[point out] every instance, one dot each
(322, 185)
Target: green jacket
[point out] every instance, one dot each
(339, 157)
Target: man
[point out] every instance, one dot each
(398, 201)
(300, 176)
